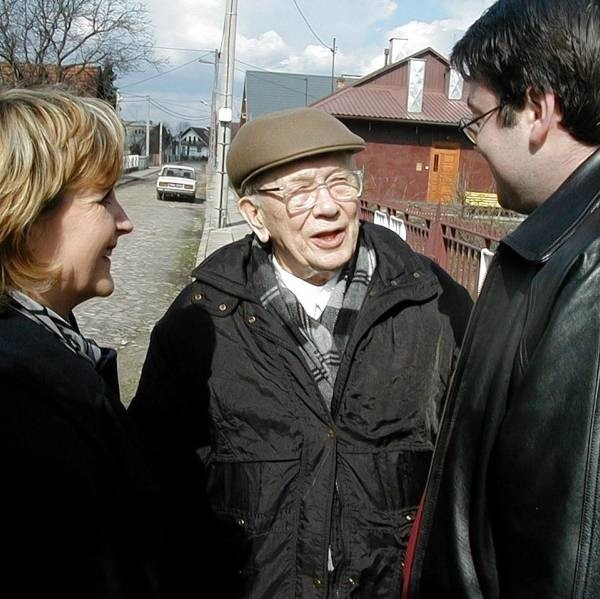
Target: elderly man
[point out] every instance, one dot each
(512, 507)
(291, 395)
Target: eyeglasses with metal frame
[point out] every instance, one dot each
(342, 185)
(472, 128)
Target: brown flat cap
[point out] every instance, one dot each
(282, 137)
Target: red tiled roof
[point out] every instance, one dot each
(374, 102)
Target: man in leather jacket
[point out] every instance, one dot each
(511, 506)
(291, 395)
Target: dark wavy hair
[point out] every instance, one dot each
(543, 45)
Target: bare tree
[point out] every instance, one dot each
(71, 34)
(183, 126)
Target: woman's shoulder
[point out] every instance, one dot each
(37, 364)
(49, 394)
(23, 341)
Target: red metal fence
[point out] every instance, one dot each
(452, 236)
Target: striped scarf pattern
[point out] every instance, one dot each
(322, 342)
(64, 331)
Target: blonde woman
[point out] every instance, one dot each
(75, 489)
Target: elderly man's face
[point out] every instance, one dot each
(314, 243)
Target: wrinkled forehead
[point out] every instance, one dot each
(306, 168)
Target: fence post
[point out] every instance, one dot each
(436, 248)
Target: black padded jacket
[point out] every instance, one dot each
(259, 478)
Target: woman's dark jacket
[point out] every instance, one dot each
(512, 507)
(76, 494)
(233, 419)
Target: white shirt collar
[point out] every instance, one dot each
(314, 298)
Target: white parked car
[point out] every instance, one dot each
(176, 181)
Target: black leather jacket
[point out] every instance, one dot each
(512, 504)
(233, 418)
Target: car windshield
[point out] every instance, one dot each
(173, 171)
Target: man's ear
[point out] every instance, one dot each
(254, 217)
(544, 114)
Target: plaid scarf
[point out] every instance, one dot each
(322, 342)
(58, 326)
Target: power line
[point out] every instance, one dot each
(196, 118)
(183, 103)
(251, 65)
(185, 64)
(310, 27)
(184, 49)
(166, 110)
(142, 98)
(275, 84)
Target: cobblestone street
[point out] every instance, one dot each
(150, 266)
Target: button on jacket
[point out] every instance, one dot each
(259, 478)
(511, 508)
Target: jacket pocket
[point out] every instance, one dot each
(254, 504)
(258, 495)
(382, 491)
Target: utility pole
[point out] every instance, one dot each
(118, 101)
(225, 113)
(148, 129)
(333, 66)
(212, 145)
(160, 150)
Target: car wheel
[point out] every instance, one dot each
(159, 195)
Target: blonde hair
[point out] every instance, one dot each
(51, 142)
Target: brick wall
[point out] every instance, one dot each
(397, 158)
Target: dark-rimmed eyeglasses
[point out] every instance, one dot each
(472, 128)
(342, 185)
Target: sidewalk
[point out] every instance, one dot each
(214, 237)
(137, 175)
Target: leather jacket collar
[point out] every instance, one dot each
(547, 228)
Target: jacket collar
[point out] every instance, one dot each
(547, 228)
(226, 269)
(397, 265)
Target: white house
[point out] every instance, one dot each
(193, 143)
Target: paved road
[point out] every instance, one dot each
(149, 267)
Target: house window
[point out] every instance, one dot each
(455, 85)
(416, 82)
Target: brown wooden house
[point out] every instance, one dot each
(408, 113)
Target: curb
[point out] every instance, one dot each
(130, 178)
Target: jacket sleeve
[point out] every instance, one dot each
(170, 412)
(455, 303)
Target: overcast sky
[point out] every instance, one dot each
(272, 35)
